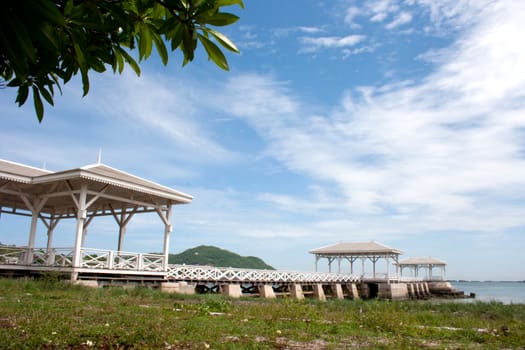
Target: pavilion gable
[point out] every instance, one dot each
(355, 249)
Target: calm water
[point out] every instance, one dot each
(506, 292)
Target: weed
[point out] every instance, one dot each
(45, 314)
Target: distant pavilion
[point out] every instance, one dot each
(372, 251)
(426, 264)
(82, 194)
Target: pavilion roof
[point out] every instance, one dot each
(115, 188)
(19, 172)
(421, 261)
(356, 248)
(105, 174)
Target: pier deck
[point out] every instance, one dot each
(102, 267)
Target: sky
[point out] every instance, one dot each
(401, 122)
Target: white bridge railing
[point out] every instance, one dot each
(392, 277)
(90, 258)
(217, 274)
(99, 259)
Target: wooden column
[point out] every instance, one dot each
(35, 207)
(81, 217)
(166, 218)
(53, 221)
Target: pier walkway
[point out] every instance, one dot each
(107, 267)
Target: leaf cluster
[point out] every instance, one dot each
(44, 43)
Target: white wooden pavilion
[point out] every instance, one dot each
(83, 194)
(351, 252)
(428, 265)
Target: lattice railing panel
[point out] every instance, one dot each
(217, 274)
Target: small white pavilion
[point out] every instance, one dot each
(372, 251)
(82, 194)
(428, 265)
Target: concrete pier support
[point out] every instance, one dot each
(441, 288)
(319, 292)
(411, 291)
(296, 291)
(364, 291)
(393, 291)
(266, 291)
(426, 289)
(352, 291)
(337, 291)
(231, 290)
(421, 289)
(177, 287)
(417, 290)
(86, 283)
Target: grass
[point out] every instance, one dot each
(49, 314)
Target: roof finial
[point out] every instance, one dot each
(99, 159)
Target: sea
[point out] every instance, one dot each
(504, 292)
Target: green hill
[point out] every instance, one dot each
(210, 255)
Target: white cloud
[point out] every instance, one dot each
(315, 44)
(309, 30)
(401, 18)
(379, 10)
(445, 153)
(351, 13)
(163, 106)
(455, 13)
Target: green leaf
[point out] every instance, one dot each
(145, 42)
(188, 45)
(161, 48)
(49, 10)
(83, 68)
(214, 53)
(222, 3)
(129, 60)
(68, 7)
(118, 65)
(21, 97)
(177, 36)
(39, 107)
(23, 41)
(85, 82)
(47, 96)
(223, 40)
(79, 56)
(221, 19)
(50, 34)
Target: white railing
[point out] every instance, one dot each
(220, 274)
(36, 257)
(90, 258)
(391, 277)
(115, 260)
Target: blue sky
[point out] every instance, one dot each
(396, 121)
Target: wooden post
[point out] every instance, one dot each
(81, 217)
(167, 231)
(35, 208)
